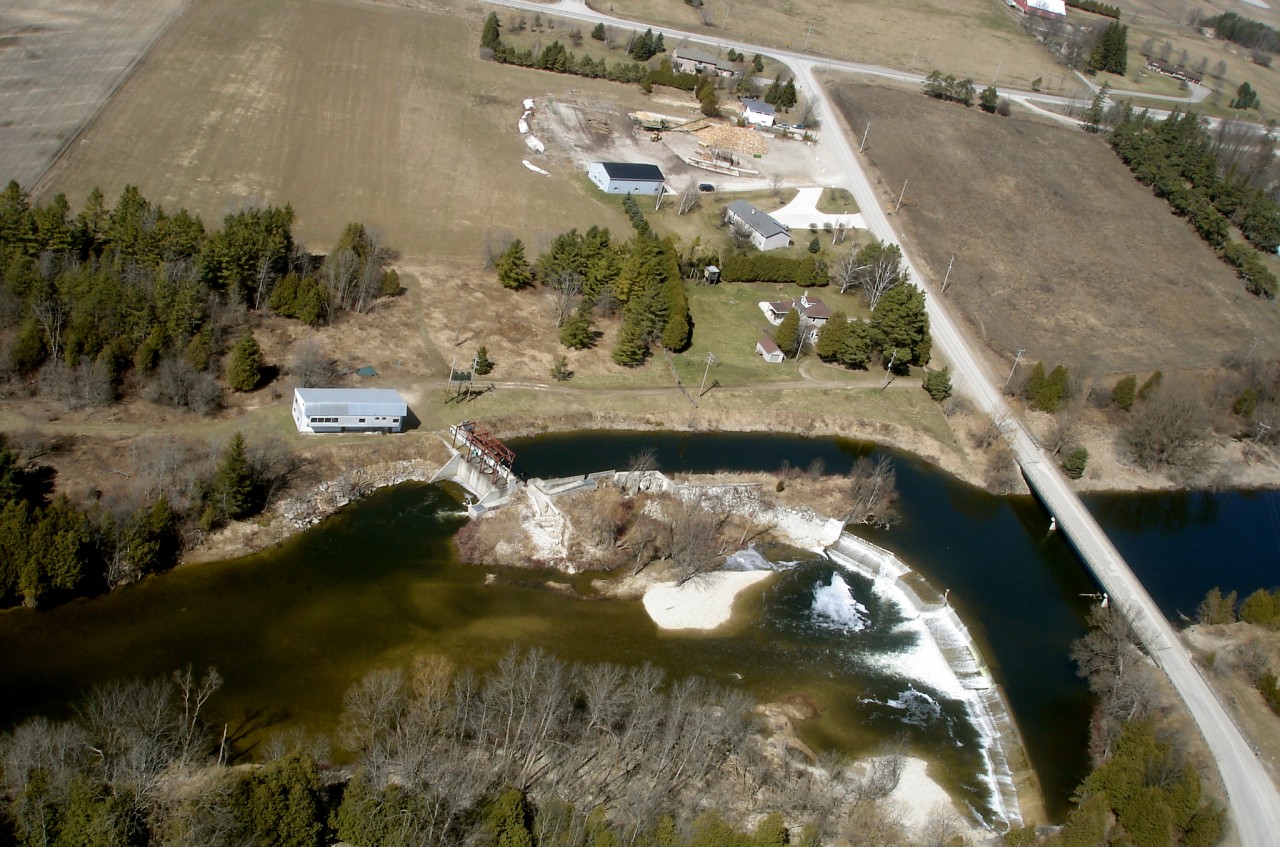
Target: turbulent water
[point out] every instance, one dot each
(835, 608)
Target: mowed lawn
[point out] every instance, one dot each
(1058, 249)
(347, 110)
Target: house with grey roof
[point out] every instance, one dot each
(691, 60)
(762, 230)
(758, 112)
(348, 410)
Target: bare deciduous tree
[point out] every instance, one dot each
(312, 366)
(694, 545)
(873, 491)
(566, 293)
(1167, 430)
(689, 197)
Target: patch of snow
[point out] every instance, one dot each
(528, 104)
(534, 144)
(531, 166)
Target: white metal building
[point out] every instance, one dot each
(764, 231)
(348, 410)
(626, 177)
(758, 111)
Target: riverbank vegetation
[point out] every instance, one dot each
(52, 549)
(532, 751)
(1146, 788)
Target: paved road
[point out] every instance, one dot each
(1253, 800)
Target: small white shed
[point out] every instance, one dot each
(348, 410)
(626, 177)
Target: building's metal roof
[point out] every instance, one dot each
(702, 57)
(764, 224)
(633, 171)
(758, 106)
(352, 401)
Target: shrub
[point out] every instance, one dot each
(1074, 463)
(938, 384)
(1122, 395)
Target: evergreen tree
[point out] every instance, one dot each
(560, 370)
(787, 335)
(632, 347)
(234, 491)
(772, 94)
(244, 370)
(811, 271)
(1246, 97)
(787, 97)
(815, 246)
(280, 804)
(482, 366)
(757, 64)
(577, 333)
(938, 384)
(1216, 608)
(832, 338)
(676, 334)
(901, 325)
(1124, 391)
(513, 269)
(1111, 50)
(1075, 462)
(1093, 116)
(491, 37)
(598, 33)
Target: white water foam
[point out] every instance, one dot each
(943, 657)
(918, 708)
(835, 607)
(751, 559)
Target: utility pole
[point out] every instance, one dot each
(863, 145)
(901, 194)
(806, 39)
(888, 371)
(1016, 359)
(997, 73)
(711, 360)
(947, 275)
(724, 24)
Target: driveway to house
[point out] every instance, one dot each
(803, 211)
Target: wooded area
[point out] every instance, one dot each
(1212, 185)
(133, 298)
(532, 751)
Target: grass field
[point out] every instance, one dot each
(1057, 248)
(1164, 22)
(348, 111)
(60, 60)
(964, 37)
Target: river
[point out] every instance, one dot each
(292, 627)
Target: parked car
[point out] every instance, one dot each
(706, 186)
